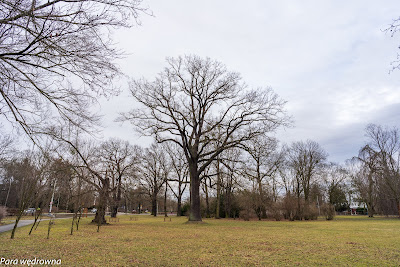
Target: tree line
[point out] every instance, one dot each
(215, 142)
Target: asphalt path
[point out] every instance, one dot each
(9, 227)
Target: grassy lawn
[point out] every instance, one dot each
(348, 241)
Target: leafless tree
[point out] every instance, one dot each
(384, 145)
(305, 161)
(365, 177)
(6, 145)
(120, 158)
(335, 178)
(153, 173)
(179, 173)
(264, 163)
(56, 56)
(393, 29)
(232, 162)
(194, 102)
(29, 173)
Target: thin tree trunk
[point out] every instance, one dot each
(179, 211)
(195, 212)
(79, 218)
(73, 223)
(207, 201)
(16, 223)
(165, 199)
(217, 212)
(37, 215)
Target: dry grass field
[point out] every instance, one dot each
(149, 241)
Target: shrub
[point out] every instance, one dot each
(289, 207)
(276, 210)
(329, 211)
(246, 200)
(185, 209)
(310, 212)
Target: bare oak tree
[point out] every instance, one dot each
(56, 56)
(194, 102)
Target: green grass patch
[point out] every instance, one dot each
(351, 240)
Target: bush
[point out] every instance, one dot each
(310, 212)
(3, 212)
(185, 209)
(329, 211)
(246, 200)
(289, 207)
(276, 210)
(247, 214)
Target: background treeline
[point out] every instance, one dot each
(261, 179)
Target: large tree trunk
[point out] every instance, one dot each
(179, 212)
(195, 212)
(101, 207)
(154, 204)
(117, 199)
(100, 214)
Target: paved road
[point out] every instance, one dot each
(9, 227)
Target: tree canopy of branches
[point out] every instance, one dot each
(393, 29)
(153, 173)
(264, 162)
(56, 55)
(380, 160)
(198, 104)
(119, 157)
(305, 161)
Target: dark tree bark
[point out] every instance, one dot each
(195, 208)
(154, 209)
(102, 204)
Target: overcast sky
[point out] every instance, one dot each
(329, 59)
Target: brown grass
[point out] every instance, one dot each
(150, 241)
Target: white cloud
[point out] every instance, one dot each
(329, 59)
